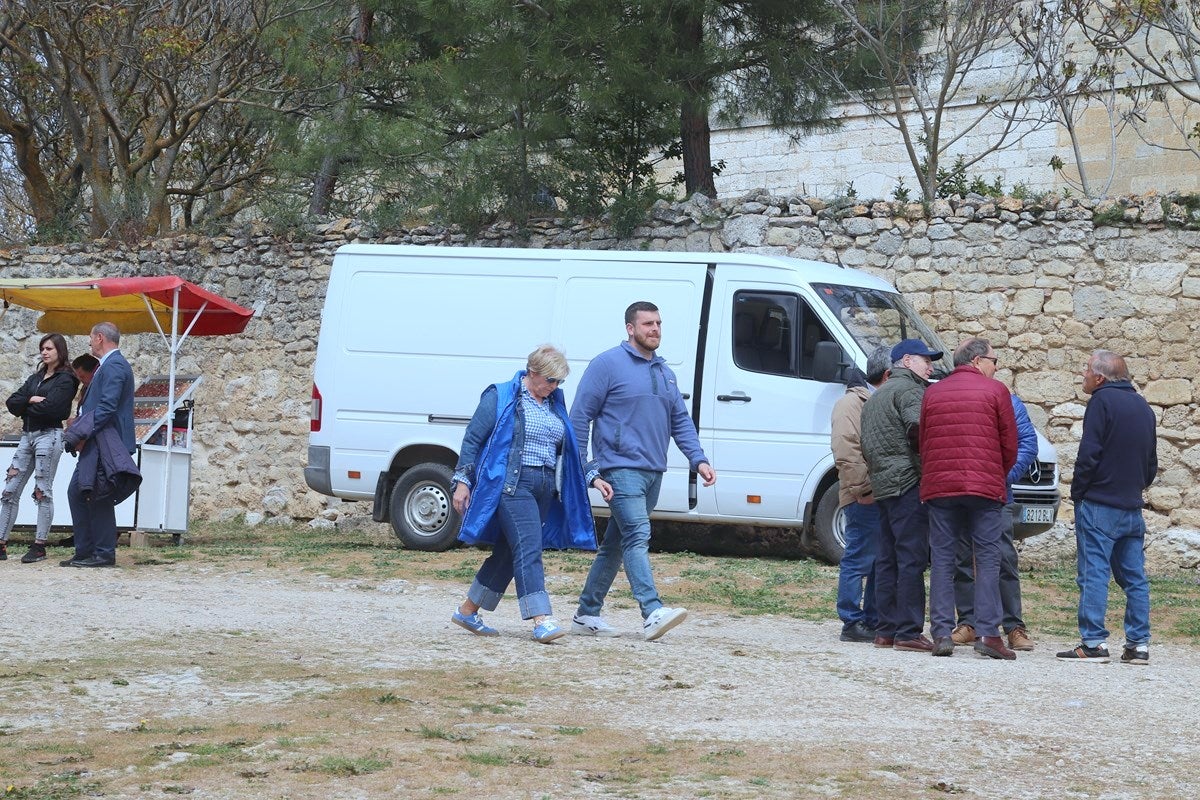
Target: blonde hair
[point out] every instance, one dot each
(548, 361)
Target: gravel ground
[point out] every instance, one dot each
(1031, 728)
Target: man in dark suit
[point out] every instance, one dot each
(110, 400)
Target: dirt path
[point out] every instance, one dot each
(90, 653)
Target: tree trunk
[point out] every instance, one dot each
(694, 132)
(327, 175)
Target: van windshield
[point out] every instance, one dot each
(875, 318)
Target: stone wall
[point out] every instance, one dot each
(1041, 280)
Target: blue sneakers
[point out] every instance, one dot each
(548, 630)
(474, 623)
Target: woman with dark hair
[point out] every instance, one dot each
(42, 404)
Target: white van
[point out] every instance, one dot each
(410, 337)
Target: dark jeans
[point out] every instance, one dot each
(856, 601)
(1010, 579)
(900, 565)
(519, 554)
(979, 521)
(93, 522)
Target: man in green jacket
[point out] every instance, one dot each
(890, 425)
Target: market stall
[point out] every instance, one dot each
(164, 405)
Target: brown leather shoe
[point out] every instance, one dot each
(963, 635)
(884, 641)
(944, 646)
(993, 647)
(1018, 639)
(917, 645)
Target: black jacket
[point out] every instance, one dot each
(1118, 455)
(58, 389)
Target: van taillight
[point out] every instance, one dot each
(314, 411)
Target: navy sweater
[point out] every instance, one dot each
(1118, 455)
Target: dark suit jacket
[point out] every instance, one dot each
(110, 398)
(105, 470)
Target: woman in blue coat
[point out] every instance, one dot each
(518, 486)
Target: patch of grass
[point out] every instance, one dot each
(64, 786)
(344, 767)
(427, 732)
(502, 707)
(509, 756)
(391, 699)
(565, 731)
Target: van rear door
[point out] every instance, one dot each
(591, 319)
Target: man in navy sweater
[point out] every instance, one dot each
(1117, 460)
(630, 407)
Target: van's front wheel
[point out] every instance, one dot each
(829, 526)
(422, 515)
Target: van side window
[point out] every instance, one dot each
(775, 333)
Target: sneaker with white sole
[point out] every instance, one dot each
(474, 623)
(587, 625)
(662, 620)
(1081, 652)
(548, 630)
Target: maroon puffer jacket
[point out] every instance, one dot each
(968, 437)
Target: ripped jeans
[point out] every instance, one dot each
(37, 454)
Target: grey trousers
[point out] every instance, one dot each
(981, 522)
(1010, 579)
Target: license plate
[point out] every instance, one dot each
(1037, 514)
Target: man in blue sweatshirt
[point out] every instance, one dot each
(629, 406)
(1117, 460)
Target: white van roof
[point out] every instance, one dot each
(808, 271)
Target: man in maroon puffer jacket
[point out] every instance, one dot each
(968, 445)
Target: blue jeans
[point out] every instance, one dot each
(980, 522)
(37, 454)
(519, 554)
(1109, 542)
(854, 602)
(900, 565)
(627, 540)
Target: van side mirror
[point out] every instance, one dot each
(829, 363)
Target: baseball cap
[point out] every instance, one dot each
(913, 347)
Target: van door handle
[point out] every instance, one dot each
(740, 397)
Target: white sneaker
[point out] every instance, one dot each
(662, 620)
(584, 625)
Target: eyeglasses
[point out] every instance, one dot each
(995, 360)
(555, 381)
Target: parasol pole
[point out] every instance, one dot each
(173, 346)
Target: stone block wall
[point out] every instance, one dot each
(1042, 280)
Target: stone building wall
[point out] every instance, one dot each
(1042, 280)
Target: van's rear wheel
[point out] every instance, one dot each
(829, 525)
(422, 515)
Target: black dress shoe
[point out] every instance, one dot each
(70, 562)
(95, 561)
(858, 632)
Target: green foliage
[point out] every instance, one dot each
(1109, 216)
(344, 767)
(900, 192)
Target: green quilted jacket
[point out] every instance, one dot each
(894, 466)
